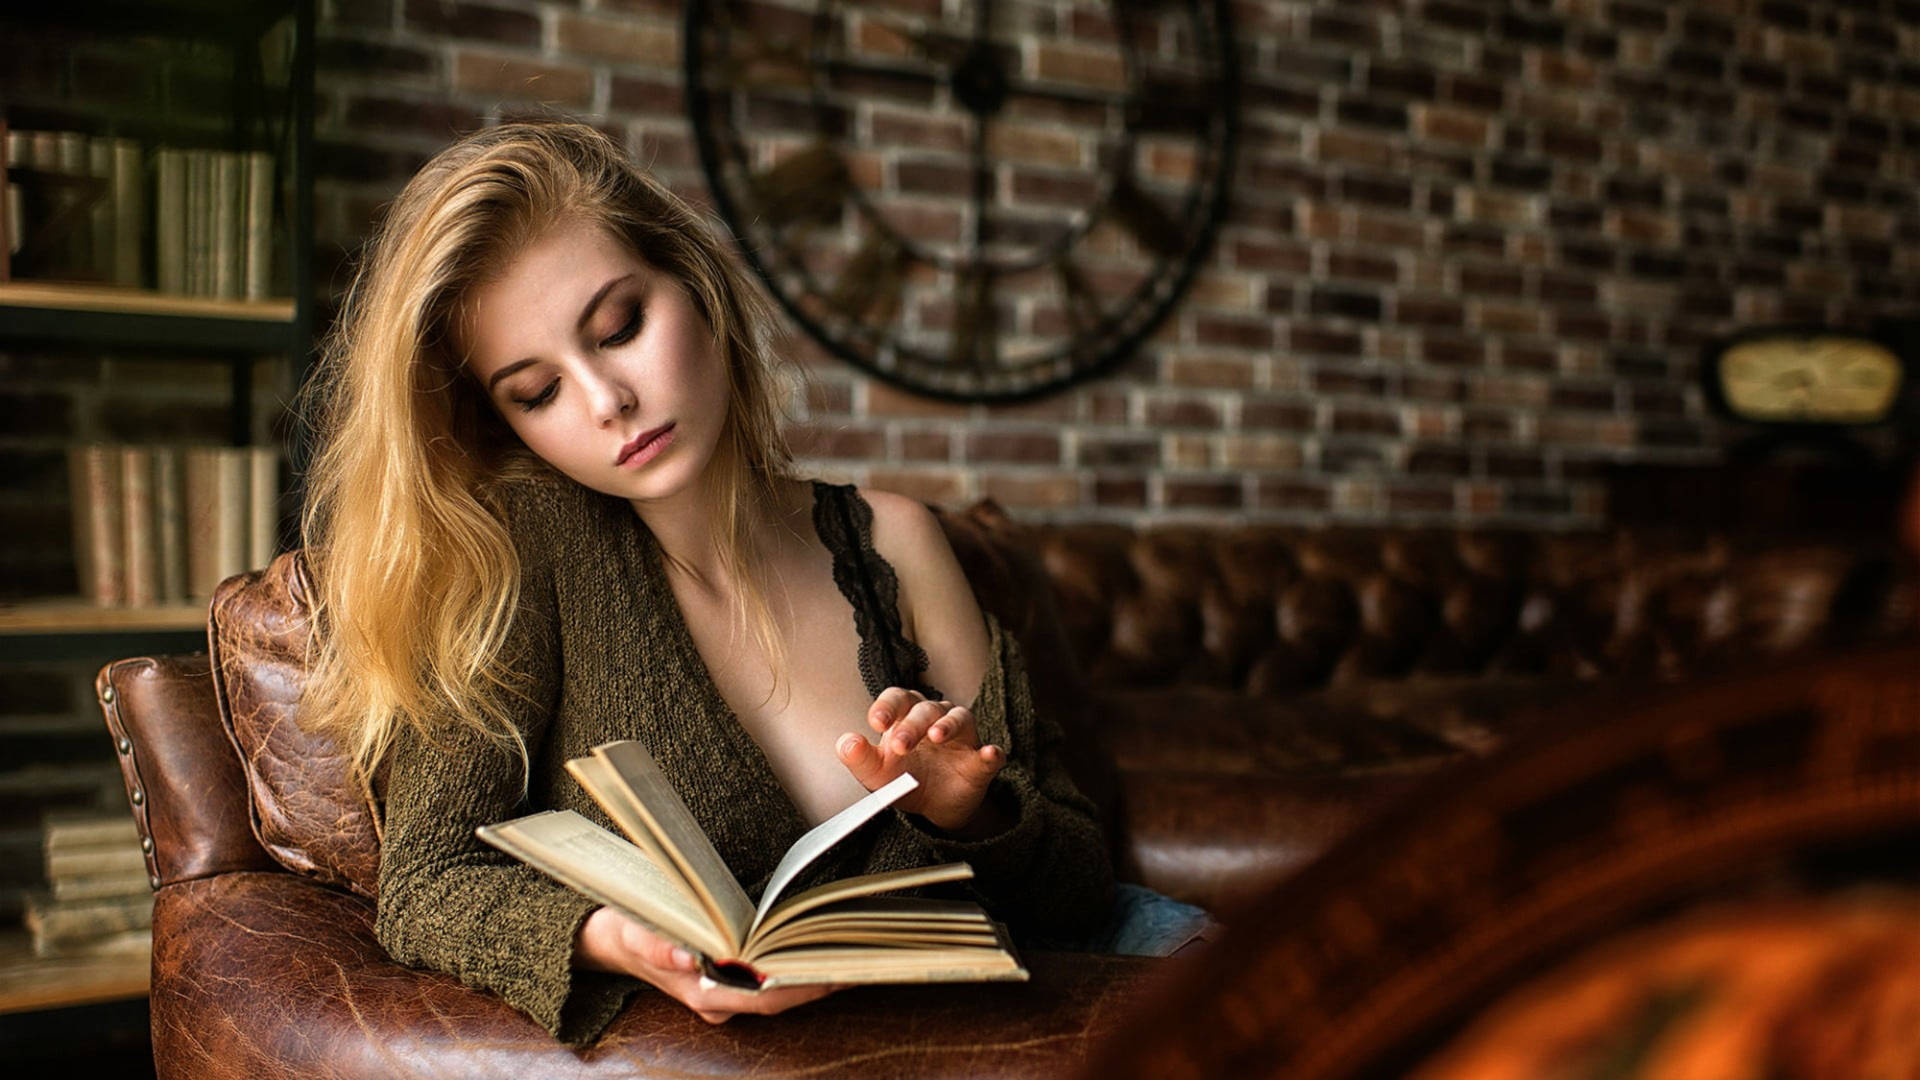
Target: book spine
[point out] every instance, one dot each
(96, 507)
(71, 831)
(170, 221)
(232, 530)
(100, 214)
(99, 886)
(199, 228)
(169, 524)
(55, 925)
(139, 552)
(71, 151)
(203, 513)
(229, 254)
(129, 213)
(263, 505)
(10, 223)
(259, 225)
(118, 862)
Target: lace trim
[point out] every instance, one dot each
(844, 523)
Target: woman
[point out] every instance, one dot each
(551, 507)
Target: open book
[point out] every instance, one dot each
(671, 879)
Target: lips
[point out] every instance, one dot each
(640, 442)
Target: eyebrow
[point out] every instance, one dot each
(586, 314)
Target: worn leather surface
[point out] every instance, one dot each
(267, 975)
(186, 789)
(1277, 610)
(307, 808)
(1795, 780)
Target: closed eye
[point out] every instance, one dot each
(626, 331)
(539, 399)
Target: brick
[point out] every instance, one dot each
(652, 97)
(1128, 491)
(1339, 146)
(926, 446)
(1352, 419)
(1187, 452)
(1340, 380)
(1481, 280)
(363, 58)
(1201, 493)
(1026, 448)
(1438, 461)
(1311, 338)
(1428, 311)
(1034, 490)
(1282, 414)
(441, 120)
(628, 43)
(1209, 372)
(1260, 452)
(1182, 412)
(1349, 457)
(861, 443)
(522, 79)
(1366, 112)
(475, 22)
(1243, 333)
(1451, 125)
(939, 487)
(1453, 351)
(1410, 80)
(1033, 145)
(1048, 189)
(1417, 499)
(1278, 255)
(1124, 450)
(1362, 266)
(1285, 493)
(1100, 69)
(1345, 303)
(885, 400)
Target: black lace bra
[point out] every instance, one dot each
(844, 523)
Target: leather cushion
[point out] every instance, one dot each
(306, 807)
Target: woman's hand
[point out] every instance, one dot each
(609, 941)
(937, 742)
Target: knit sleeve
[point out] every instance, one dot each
(1048, 871)
(452, 903)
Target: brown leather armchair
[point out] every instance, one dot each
(1248, 695)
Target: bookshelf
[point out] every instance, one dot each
(51, 759)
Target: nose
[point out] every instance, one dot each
(612, 398)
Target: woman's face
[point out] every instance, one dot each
(600, 363)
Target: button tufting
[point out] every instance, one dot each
(139, 797)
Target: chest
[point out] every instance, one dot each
(820, 695)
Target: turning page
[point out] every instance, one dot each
(828, 833)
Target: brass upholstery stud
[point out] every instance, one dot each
(153, 880)
(125, 744)
(146, 844)
(139, 797)
(106, 694)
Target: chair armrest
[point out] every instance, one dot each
(183, 780)
(271, 975)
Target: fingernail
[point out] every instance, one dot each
(682, 958)
(845, 745)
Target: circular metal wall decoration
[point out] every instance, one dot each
(974, 200)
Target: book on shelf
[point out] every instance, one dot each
(79, 207)
(157, 525)
(98, 896)
(667, 876)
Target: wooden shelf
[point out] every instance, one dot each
(29, 982)
(76, 616)
(64, 313)
(76, 297)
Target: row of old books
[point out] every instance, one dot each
(98, 897)
(156, 525)
(82, 207)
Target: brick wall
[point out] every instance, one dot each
(1474, 251)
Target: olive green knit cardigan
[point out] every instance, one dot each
(603, 650)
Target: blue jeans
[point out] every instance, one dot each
(1140, 923)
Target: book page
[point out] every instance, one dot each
(601, 782)
(589, 859)
(828, 833)
(680, 836)
(854, 887)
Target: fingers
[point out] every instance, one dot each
(862, 759)
(721, 1004)
(892, 704)
(907, 732)
(956, 727)
(655, 951)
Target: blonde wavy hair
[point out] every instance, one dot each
(410, 633)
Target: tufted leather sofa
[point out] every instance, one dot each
(1235, 699)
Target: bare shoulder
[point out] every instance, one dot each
(937, 606)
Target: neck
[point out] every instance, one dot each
(682, 526)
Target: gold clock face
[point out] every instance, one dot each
(1827, 379)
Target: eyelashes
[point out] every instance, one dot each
(627, 332)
